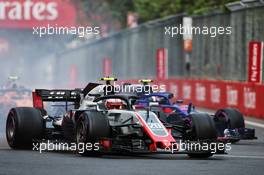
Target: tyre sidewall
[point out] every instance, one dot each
(29, 125)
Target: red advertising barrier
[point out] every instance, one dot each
(34, 13)
(248, 98)
(215, 94)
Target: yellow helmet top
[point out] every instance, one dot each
(108, 79)
(145, 81)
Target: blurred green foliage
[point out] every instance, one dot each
(152, 9)
(148, 9)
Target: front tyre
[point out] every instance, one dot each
(200, 155)
(228, 118)
(234, 119)
(203, 126)
(90, 128)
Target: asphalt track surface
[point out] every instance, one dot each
(246, 157)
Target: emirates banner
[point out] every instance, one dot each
(107, 67)
(32, 13)
(161, 63)
(255, 58)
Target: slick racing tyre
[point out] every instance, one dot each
(68, 129)
(228, 118)
(204, 129)
(23, 125)
(203, 126)
(234, 119)
(90, 128)
(200, 155)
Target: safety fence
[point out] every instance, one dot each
(133, 55)
(133, 52)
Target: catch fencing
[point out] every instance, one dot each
(133, 51)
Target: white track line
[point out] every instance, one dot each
(254, 124)
(237, 156)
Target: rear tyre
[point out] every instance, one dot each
(23, 125)
(68, 128)
(90, 128)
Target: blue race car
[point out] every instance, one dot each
(229, 122)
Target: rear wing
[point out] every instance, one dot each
(56, 95)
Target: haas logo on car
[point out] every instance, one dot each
(28, 10)
(155, 126)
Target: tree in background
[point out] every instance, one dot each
(152, 9)
(113, 13)
(109, 13)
